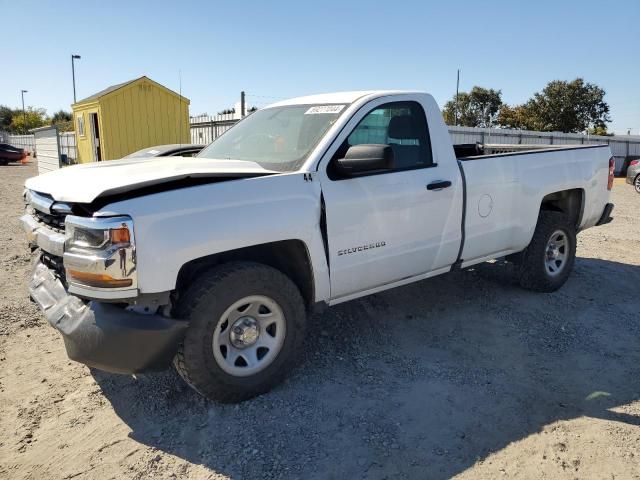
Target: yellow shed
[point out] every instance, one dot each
(127, 117)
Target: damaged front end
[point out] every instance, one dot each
(85, 282)
(102, 335)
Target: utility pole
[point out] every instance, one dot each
(24, 112)
(242, 105)
(73, 75)
(457, 91)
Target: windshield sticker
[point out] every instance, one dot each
(324, 109)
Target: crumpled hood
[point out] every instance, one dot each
(84, 183)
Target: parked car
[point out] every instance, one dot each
(633, 174)
(172, 150)
(9, 153)
(214, 262)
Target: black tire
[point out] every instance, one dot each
(533, 270)
(203, 305)
(636, 183)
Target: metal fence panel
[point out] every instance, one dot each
(48, 148)
(22, 141)
(68, 146)
(622, 148)
(206, 131)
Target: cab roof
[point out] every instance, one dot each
(338, 97)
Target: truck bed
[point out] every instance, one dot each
(504, 193)
(475, 151)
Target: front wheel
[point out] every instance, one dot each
(246, 327)
(549, 258)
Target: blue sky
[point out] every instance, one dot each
(284, 49)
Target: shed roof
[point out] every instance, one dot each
(106, 91)
(118, 86)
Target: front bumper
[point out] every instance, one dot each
(106, 336)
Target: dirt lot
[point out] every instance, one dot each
(463, 375)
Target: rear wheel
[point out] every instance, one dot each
(636, 183)
(246, 328)
(549, 258)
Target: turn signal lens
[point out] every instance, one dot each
(119, 235)
(98, 279)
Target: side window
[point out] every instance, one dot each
(81, 125)
(403, 126)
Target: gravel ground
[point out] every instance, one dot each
(462, 375)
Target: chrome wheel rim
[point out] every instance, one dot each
(637, 184)
(249, 335)
(556, 253)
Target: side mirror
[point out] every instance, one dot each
(366, 158)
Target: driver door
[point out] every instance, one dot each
(388, 226)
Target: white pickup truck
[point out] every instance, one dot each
(213, 262)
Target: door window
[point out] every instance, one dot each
(401, 125)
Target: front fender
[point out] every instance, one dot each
(177, 226)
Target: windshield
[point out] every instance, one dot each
(278, 138)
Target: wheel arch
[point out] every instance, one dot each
(571, 202)
(291, 257)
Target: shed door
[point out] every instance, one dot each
(47, 149)
(95, 137)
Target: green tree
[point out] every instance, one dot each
(478, 108)
(517, 117)
(63, 120)
(6, 115)
(60, 116)
(570, 107)
(600, 130)
(32, 118)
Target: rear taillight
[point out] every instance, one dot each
(612, 166)
(634, 162)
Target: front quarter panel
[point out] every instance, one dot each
(175, 227)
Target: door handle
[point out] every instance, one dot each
(439, 185)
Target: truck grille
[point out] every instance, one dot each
(54, 263)
(41, 207)
(53, 220)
